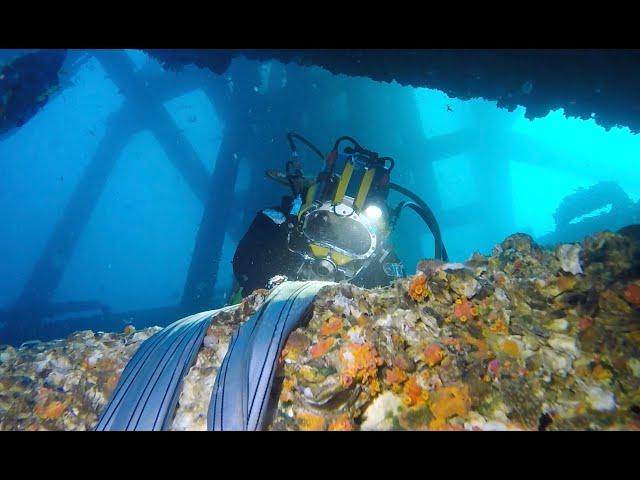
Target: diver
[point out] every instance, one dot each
(334, 227)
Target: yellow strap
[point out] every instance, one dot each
(308, 202)
(365, 185)
(311, 195)
(318, 251)
(345, 178)
(339, 258)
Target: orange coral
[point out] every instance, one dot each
(448, 402)
(413, 394)
(394, 378)
(418, 288)
(53, 411)
(309, 421)
(455, 342)
(286, 394)
(433, 354)
(346, 380)
(632, 294)
(360, 361)
(375, 387)
(510, 348)
(321, 347)
(341, 424)
(499, 327)
(332, 325)
(482, 347)
(463, 309)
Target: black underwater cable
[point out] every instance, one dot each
(422, 209)
(440, 251)
(291, 136)
(348, 138)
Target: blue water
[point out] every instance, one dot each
(507, 174)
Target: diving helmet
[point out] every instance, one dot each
(339, 222)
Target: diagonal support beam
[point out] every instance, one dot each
(154, 116)
(139, 108)
(67, 231)
(49, 267)
(205, 259)
(448, 145)
(198, 289)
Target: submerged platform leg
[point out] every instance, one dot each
(47, 272)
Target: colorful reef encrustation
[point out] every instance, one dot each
(528, 338)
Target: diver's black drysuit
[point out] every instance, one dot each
(262, 254)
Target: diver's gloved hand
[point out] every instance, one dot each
(276, 280)
(295, 175)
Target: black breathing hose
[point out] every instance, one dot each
(348, 138)
(422, 209)
(291, 136)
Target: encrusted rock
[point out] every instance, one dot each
(569, 256)
(528, 338)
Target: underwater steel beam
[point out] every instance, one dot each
(448, 145)
(237, 142)
(48, 269)
(154, 116)
(205, 259)
(110, 322)
(138, 108)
